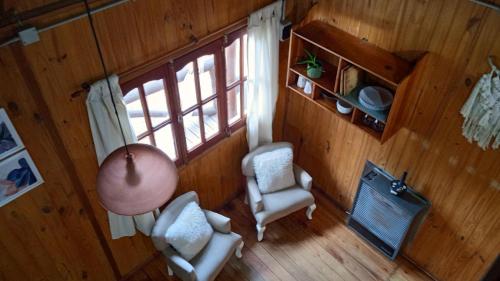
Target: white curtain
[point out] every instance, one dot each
(263, 64)
(107, 137)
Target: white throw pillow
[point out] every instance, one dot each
(190, 232)
(274, 170)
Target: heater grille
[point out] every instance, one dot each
(384, 219)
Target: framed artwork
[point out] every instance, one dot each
(10, 142)
(18, 175)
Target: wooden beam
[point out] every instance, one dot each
(11, 17)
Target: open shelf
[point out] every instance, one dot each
(337, 50)
(353, 99)
(331, 106)
(357, 120)
(326, 81)
(299, 91)
(367, 56)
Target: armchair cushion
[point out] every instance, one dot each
(274, 170)
(209, 262)
(247, 162)
(168, 216)
(219, 222)
(281, 203)
(190, 232)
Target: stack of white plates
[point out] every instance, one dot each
(375, 98)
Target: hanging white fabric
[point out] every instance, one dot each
(263, 65)
(107, 137)
(482, 111)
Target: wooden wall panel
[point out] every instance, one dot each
(460, 238)
(47, 234)
(216, 175)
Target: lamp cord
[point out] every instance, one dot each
(89, 15)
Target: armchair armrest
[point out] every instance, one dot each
(254, 196)
(181, 267)
(302, 177)
(219, 222)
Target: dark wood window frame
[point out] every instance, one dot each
(228, 40)
(137, 83)
(167, 72)
(210, 49)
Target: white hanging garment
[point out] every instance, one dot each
(482, 111)
(107, 137)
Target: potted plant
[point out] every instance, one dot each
(314, 67)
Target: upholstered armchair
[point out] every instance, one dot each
(269, 207)
(207, 264)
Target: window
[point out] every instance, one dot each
(188, 104)
(198, 92)
(150, 112)
(235, 49)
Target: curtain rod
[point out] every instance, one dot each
(67, 20)
(487, 4)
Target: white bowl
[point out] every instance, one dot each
(343, 107)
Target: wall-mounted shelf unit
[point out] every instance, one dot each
(337, 49)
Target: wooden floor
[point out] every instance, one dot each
(297, 249)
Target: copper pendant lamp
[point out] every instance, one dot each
(135, 178)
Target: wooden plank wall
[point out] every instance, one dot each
(461, 237)
(54, 231)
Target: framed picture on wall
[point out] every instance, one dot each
(10, 142)
(18, 175)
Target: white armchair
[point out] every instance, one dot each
(269, 207)
(210, 261)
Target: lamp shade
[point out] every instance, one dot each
(136, 183)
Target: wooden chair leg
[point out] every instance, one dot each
(238, 250)
(310, 210)
(260, 232)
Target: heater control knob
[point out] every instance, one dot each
(399, 186)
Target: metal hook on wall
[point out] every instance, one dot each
(494, 68)
(491, 63)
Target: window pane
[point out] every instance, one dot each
(233, 104)
(165, 141)
(206, 71)
(157, 101)
(232, 53)
(191, 123)
(135, 112)
(245, 65)
(210, 118)
(145, 140)
(187, 89)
